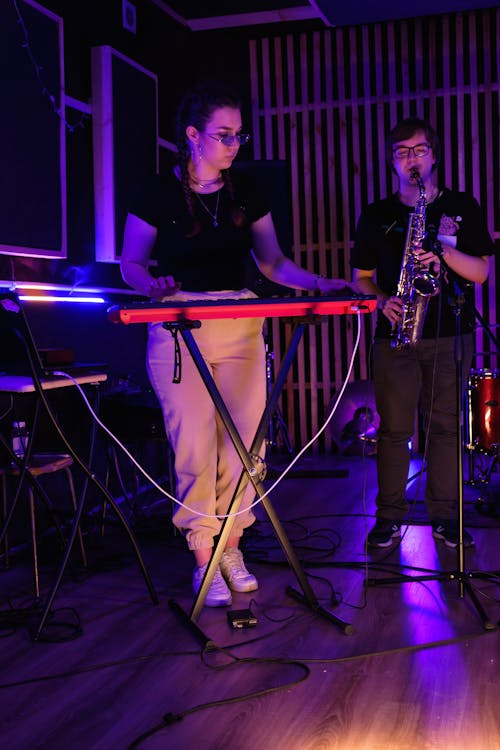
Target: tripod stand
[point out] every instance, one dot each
(459, 574)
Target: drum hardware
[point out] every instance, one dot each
(484, 503)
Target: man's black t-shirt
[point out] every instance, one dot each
(380, 242)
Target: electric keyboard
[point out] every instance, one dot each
(175, 311)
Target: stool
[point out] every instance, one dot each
(40, 464)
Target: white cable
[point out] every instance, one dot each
(278, 480)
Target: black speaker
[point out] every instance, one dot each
(133, 416)
(273, 178)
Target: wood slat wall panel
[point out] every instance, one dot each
(325, 101)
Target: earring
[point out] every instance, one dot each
(196, 155)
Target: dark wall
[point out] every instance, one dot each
(179, 58)
(158, 45)
(168, 49)
(162, 45)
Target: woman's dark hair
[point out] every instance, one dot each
(196, 108)
(406, 129)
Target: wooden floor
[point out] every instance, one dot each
(420, 669)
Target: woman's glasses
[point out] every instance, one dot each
(229, 140)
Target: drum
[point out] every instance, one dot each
(483, 394)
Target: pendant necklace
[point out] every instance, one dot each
(214, 215)
(205, 183)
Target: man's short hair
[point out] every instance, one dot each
(406, 129)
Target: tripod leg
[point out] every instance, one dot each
(346, 627)
(487, 623)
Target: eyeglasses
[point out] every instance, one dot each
(229, 140)
(419, 150)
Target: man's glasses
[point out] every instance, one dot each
(403, 152)
(229, 140)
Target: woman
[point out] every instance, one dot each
(203, 222)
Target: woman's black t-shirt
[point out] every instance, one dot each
(215, 258)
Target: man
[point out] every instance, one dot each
(425, 370)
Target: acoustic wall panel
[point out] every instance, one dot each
(324, 101)
(125, 141)
(32, 132)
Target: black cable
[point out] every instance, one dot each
(164, 654)
(16, 617)
(378, 565)
(94, 668)
(171, 718)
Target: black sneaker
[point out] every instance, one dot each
(448, 532)
(383, 532)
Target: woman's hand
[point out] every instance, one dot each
(327, 286)
(163, 286)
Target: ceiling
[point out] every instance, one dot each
(204, 15)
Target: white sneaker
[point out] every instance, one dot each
(218, 594)
(234, 571)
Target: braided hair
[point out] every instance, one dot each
(195, 109)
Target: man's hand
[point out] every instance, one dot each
(392, 309)
(428, 260)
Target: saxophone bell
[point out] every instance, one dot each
(426, 284)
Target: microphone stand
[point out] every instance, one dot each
(460, 574)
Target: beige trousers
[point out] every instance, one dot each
(207, 465)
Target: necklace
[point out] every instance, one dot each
(215, 214)
(205, 183)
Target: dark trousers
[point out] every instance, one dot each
(405, 380)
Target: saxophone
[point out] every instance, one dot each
(416, 284)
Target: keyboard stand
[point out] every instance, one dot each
(251, 472)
